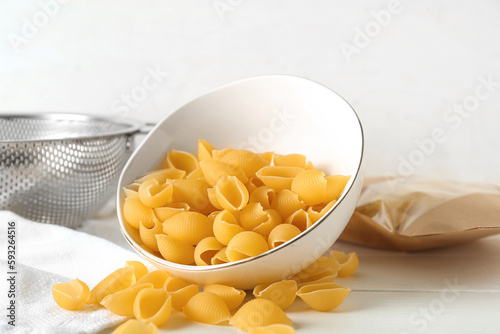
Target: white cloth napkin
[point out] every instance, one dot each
(49, 254)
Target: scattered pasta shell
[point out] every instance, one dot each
(72, 295)
(281, 234)
(134, 212)
(175, 250)
(154, 195)
(323, 297)
(163, 213)
(214, 170)
(246, 244)
(349, 263)
(231, 193)
(259, 313)
(248, 161)
(122, 302)
(226, 227)
(118, 280)
(281, 293)
(148, 235)
(290, 160)
(196, 174)
(278, 177)
(315, 212)
(208, 308)
(253, 183)
(134, 326)
(180, 291)
(190, 227)
(205, 251)
(153, 306)
(273, 329)
(322, 267)
(181, 160)
(220, 257)
(310, 185)
(218, 154)
(263, 195)
(131, 190)
(334, 187)
(157, 278)
(139, 269)
(268, 156)
(322, 279)
(162, 175)
(232, 297)
(300, 219)
(286, 203)
(193, 192)
(204, 150)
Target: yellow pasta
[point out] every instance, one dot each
(323, 296)
(162, 175)
(122, 302)
(214, 170)
(327, 278)
(290, 160)
(220, 257)
(165, 212)
(254, 218)
(190, 227)
(323, 267)
(348, 262)
(315, 212)
(273, 329)
(281, 234)
(153, 306)
(246, 244)
(134, 212)
(193, 192)
(181, 160)
(268, 156)
(205, 250)
(139, 269)
(258, 313)
(334, 187)
(72, 295)
(196, 174)
(253, 183)
(213, 199)
(134, 326)
(287, 202)
(249, 162)
(263, 195)
(231, 194)
(148, 235)
(180, 291)
(157, 278)
(300, 219)
(204, 150)
(281, 293)
(218, 154)
(213, 215)
(131, 190)
(278, 177)
(208, 308)
(175, 250)
(118, 280)
(310, 185)
(232, 297)
(309, 165)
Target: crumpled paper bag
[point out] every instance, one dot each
(413, 214)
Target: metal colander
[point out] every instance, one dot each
(61, 168)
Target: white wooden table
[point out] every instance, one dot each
(449, 290)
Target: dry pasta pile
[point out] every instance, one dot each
(151, 297)
(227, 205)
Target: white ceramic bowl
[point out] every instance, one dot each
(278, 113)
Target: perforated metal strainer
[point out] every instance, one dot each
(61, 168)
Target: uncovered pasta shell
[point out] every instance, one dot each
(154, 195)
(218, 154)
(139, 269)
(322, 267)
(317, 211)
(134, 211)
(122, 302)
(181, 160)
(254, 218)
(278, 177)
(323, 297)
(205, 251)
(175, 250)
(153, 306)
(148, 235)
(287, 202)
(157, 278)
(163, 213)
(180, 291)
(300, 219)
(264, 195)
(190, 227)
(208, 308)
(334, 187)
(310, 185)
(349, 263)
(290, 160)
(131, 190)
(193, 192)
(196, 174)
(213, 170)
(72, 295)
(258, 313)
(232, 297)
(231, 194)
(220, 257)
(253, 183)
(248, 161)
(281, 293)
(118, 280)
(162, 175)
(204, 150)
(281, 234)
(246, 244)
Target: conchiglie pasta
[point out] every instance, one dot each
(278, 177)
(163, 213)
(196, 174)
(213, 199)
(231, 194)
(131, 190)
(253, 183)
(254, 218)
(218, 154)
(139, 269)
(135, 212)
(323, 296)
(323, 267)
(162, 175)
(180, 291)
(190, 227)
(315, 212)
(175, 250)
(287, 202)
(268, 156)
(122, 302)
(181, 160)
(334, 187)
(310, 185)
(281, 293)
(348, 262)
(208, 308)
(214, 170)
(258, 313)
(118, 280)
(220, 257)
(281, 234)
(290, 160)
(264, 195)
(248, 161)
(246, 244)
(157, 278)
(193, 192)
(148, 235)
(204, 150)
(153, 306)
(72, 295)
(300, 219)
(205, 250)
(232, 297)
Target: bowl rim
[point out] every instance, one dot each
(132, 126)
(194, 268)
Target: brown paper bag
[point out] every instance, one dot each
(417, 214)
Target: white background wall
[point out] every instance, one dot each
(414, 61)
